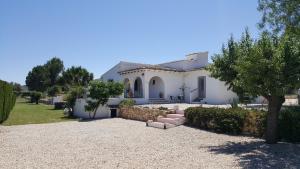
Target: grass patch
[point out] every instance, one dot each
(28, 113)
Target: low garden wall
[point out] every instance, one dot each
(79, 110)
(141, 114)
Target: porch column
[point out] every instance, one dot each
(146, 87)
(131, 86)
(146, 90)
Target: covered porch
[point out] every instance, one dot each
(147, 86)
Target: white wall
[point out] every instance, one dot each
(79, 110)
(112, 74)
(156, 88)
(216, 91)
(57, 99)
(172, 82)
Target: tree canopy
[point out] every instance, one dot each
(268, 66)
(100, 92)
(37, 79)
(54, 67)
(76, 76)
(281, 16)
(51, 76)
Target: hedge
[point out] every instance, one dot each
(7, 100)
(229, 121)
(289, 124)
(127, 103)
(251, 122)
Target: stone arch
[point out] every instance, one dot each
(138, 88)
(127, 89)
(156, 88)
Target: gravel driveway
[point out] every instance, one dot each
(119, 143)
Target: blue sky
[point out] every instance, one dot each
(98, 34)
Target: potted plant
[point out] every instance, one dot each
(161, 94)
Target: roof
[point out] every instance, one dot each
(177, 66)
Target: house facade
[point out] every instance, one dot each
(178, 81)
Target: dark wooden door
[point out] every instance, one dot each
(113, 113)
(202, 87)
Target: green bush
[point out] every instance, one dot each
(73, 94)
(7, 100)
(229, 121)
(25, 94)
(35, 97)
(127, 103)
(237, 120)
(289, 124)
(54, 90)
(255, 123)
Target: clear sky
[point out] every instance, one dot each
(98, 34)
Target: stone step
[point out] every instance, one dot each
(158, 101)
(175, 121)
(179, 112)
(175, 116)
(159, 125)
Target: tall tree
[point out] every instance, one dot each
(37, 79)
(224, 68)
(54, 67)
(77, 76)
(281, 16)
(267, 67)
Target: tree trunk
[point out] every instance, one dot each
(94, 115)
(274, 106)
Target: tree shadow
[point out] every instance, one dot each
(258, 154)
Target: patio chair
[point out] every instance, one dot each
(171, 99)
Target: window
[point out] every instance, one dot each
(153, 82)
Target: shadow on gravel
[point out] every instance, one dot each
(257, 154)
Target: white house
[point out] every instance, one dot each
(177, 81)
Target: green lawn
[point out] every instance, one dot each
(28, 113)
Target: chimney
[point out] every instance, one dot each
(199, 56)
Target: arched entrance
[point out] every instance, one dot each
(138, 88)
(156, 88)
(127, 90)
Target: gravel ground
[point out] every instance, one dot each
(119, 143)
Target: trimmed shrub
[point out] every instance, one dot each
(7, 100)
(289, 124)
(255, 123)
(229, 121)
(251, 122)
(35, 97)
(127, 103)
